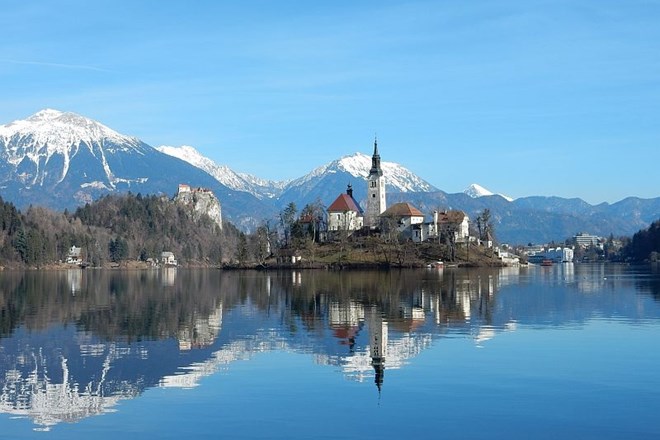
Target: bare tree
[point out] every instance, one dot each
(485, 224)
(314, 214)
(447, 234)
(287, 219)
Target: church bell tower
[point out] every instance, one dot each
(375, 190)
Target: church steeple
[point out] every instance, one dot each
(376, 202)
(375, 161)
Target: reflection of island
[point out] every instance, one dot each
(74, 344)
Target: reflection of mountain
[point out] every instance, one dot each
(75, 343)
(42, 385)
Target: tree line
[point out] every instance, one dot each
(645, 244)
(123, 227)
(113, 228)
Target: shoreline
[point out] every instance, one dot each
(141, 266)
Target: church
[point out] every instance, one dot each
(345, 213)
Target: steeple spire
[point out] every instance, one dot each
(375, 160)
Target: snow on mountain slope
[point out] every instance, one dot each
(52, 135)
(261, 188)
(61, 159)
(220, 172)
(397, 177)
(475, 191)
(57, 131)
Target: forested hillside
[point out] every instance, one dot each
(114, 228)
(645, 244)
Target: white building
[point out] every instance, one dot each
(345, 214)
(167, 259)
(585, 240)
(404, 216)
(556, 255)
(453, 220)
(74, 256)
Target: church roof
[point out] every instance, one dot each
(453, 216)
(344, 203)
(402, 210)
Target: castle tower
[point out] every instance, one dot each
(375, 190)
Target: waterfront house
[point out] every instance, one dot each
(167, 259)
(74, 256)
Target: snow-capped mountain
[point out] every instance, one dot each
(42, 147)
(260, 188)
(324, 182)
(397, 177)
(327, 181)
(475, 191)
(61, 159)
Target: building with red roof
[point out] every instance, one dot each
(345, 214)
(404, 215)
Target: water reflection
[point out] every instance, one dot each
(75, 343)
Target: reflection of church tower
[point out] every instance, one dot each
(377, 344)
(375, 190)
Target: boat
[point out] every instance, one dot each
(436, 265)
(546, 262)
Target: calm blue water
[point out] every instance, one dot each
(559, 352)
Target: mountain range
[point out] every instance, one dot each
(62, 160)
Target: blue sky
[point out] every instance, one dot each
(523, 97)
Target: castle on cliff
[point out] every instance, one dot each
(200, 201)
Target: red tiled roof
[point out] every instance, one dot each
(344, 203)
(402, 210)
(451, 216)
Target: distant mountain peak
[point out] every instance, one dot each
(59, 131)
(260, 188)
(41, 148)
(475, 191)
(397, 177)
(45, 114)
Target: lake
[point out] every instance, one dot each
(569, 351)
